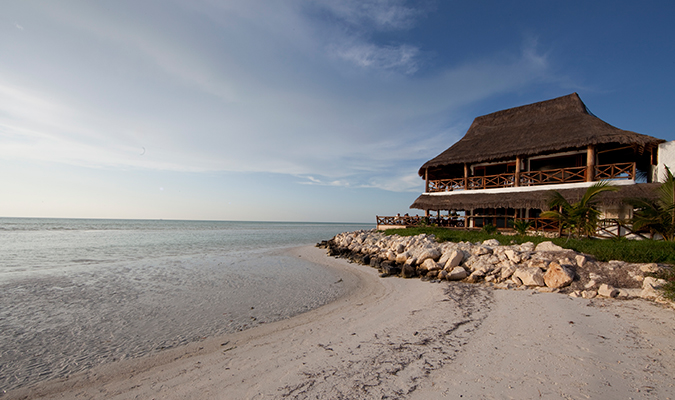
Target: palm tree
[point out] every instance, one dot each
(580, 217)
(657, 215)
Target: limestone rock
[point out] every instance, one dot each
(581, 260)
(430, 252)
(606, 290)
(650, 286)
(589, 294)
(558, 276)
(527, 246)
(649, 268)
(429, 265)
(512, 255)
(407, 271)
(454, 259)
(480, 250)
(529, 276)
(548, 246)
(491, 243)
(507, 271)
(402, 257)
(457, 274)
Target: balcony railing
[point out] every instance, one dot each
(534, 178)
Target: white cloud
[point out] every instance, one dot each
(241, 86)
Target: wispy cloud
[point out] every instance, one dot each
(240, 86)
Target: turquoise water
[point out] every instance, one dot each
(78, 293)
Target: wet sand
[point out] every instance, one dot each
(399, 338)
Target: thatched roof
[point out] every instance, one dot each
(468, 200)
(554, 125)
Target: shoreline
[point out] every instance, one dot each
(405, 338)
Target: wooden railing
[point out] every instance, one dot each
(534, 178)
(607, 228)
(553, 176)
(474, 221)
(615, 171)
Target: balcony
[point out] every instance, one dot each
(535, 178)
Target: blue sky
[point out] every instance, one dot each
(294, 110)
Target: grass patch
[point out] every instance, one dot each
(635, 251)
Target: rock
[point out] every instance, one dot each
(580, 260)
(443, 274)
(558, 276)
(407, 271)
(512, 256)
(529, 276)
(649, 268)
(590, 284)
(589, 294)
(400, 248)
(548, 246)
(527, 246)
(491, 243)
(480, 250)
(457, 274)
(507, 271)
(636, 276)
(475, 276)
(402, 257)
(650, 286)
(430, 252)
(391, 256)
(454, 259)
(628, 293)
(606, 290)
(429, 265)
(576, 293)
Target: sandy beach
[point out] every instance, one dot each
(405, 338)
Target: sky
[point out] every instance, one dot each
(297, 110)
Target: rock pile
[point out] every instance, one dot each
(546, 267)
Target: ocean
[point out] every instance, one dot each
(76, 293)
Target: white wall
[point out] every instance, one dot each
(666, 158)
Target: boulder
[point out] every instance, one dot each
(480, 250)
(649, 268)
(527, 246)
(457, 274)
(507, 271)
(512, 255)
(548, 246)
(429, 252)
(407, 271)
(454, 259)
(580, 260)
(650, 286)
(558, 276)
(429, 265)
(402, 257)
(491, 243)
(589, 294)
(606, 290)
(529, 276)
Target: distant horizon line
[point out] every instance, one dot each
(190, 220)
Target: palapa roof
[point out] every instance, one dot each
(553, 125)
(469, 199)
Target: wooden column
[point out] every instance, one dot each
(590, 164)
(517, 179)
(426, 180)
(466, 176)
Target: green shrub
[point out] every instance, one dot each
(522, 226)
